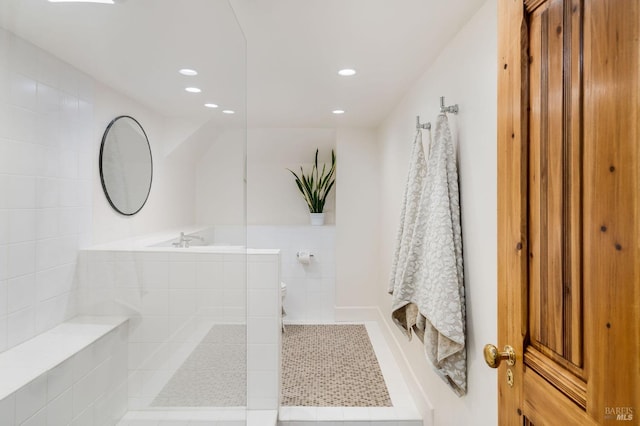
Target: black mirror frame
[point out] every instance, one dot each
(104, 188)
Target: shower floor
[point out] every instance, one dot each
(331, 365)
(214, 375)
(402, 411)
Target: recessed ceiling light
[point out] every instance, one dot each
(347, 72)
(188, 72)
(211, 105)
(228, 111)
(338, 111)
(193, 90)
(82, 1)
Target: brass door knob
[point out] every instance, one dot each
(493, 358)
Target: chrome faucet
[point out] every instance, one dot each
(185, 240)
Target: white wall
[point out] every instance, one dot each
(52, 118)
(171, 202)
(465, 73)
(220, 187)
(45, 185)
(278, 217)
(272, 195)
(311, 287)
(357, 214)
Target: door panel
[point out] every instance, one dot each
(545, 405)
(555, 183)
(555, 335)
(568, 221)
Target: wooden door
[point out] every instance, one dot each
(568, 211)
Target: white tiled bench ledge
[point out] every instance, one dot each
(26, 362)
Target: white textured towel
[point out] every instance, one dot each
(427, 274)
(407, 258)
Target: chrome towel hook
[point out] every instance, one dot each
(453, 109)
(425, 126)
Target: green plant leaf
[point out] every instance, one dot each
(317, 184)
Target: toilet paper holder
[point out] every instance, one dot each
(298, 254)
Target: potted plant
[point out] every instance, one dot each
(315, 187)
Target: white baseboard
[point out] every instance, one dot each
(357, 313)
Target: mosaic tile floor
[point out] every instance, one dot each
(214, 375)
(331, 366)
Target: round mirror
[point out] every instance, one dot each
(126, 167)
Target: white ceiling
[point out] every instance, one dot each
(294, 49)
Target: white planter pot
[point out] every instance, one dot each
(317, 219)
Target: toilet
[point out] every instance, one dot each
(283, 294)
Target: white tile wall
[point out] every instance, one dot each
(88, 388)
(177, 285)
(263, 332)
(20, 326)
(175, 297)
(310, 288)
(45, 171)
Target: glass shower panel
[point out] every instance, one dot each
(188, 329)
(177, 268)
